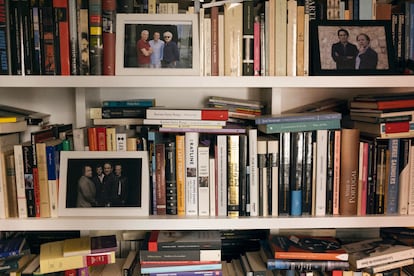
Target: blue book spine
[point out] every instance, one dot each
(393, 177)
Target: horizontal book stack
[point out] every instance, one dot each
(181, 251)
(77, 253)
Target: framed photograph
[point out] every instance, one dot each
(104, 183)
(345, 47)
(157, 44)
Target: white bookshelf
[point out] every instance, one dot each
(68, 99)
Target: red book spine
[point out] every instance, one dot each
(99, 259)
(211, 114)
(37, 191)
(395, 127)
(92, 139)
(62, 16)
(256, 46)
(101, 138)
(152, 241)
(108, 36)
(395, 104)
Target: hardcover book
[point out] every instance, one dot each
(373, 252)
(307, 248)
(185, 240)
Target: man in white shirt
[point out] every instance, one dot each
(157, 46)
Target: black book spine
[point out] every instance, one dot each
(308, 173)
(296, 173)
(330, 172)
(284, 175)
(4, 39)
(123, 112)
(35, 37)
(49, 65)
(15, 37)
(26, 37)
(243, 193)
(170, 178)
(248, 32)
(28, 178)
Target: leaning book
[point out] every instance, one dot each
(374, 252)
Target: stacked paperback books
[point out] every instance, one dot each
(181, 251)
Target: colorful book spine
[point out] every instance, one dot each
(4, 42)
(62, 46)
(233, 200)
(298, 148)
(180, 173)
(393, 176)
(95, 37)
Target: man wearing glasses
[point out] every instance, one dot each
(171, 52)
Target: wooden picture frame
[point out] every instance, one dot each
(184, 31)
(129, 199)
(330, 57)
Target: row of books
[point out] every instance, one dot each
(248, 38)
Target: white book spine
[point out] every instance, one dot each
(20, 183)
(222, 175)
(221, 44)
(291, 38)
(202, 40)
(3, 188)
(253, 176)
(53, 196)
(207, 46)
(404, 184)
(321, 166)
(121, 140)
(411, 185)
(203, 181)
(212, 186)
(191, 186)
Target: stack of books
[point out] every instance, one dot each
(77, 253)
(305, 253)
(379, 255)
(15, 255)
(384, 116)
(181, 251)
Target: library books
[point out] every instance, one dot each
(13, 247)
(306, 265)
(306, 248)
(52, 259)
(187, 114)
(297, 117)
(272, 128)
(89, 245)
(373, 252)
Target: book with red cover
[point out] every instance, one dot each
(108, 36)
(61, 20)
(307, 248)
(187, 113)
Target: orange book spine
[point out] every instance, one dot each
(62, 18)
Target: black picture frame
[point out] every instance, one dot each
(325, 34)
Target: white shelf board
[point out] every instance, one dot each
(199, 223)
(198, 82)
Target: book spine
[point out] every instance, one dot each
(170, 178)
(297, 118)
(330, 170)
(233, 148)
(92, 139)
(248, 38)
(43, 181)
(61, 17)
(191, 187)
(83, 37)
(203, 180)
(95, 37)
(372, 175)
(336, 172)
(393, 176)
(11, 186)
(179, 256)
(284, 174)
(49, 61)
(108, 36)
(300, 38)
(349, 172)
(299, 126)
(212, 185)
(404, 176)
(233, 24)
(262, 176)
(381, 178)
(207, 45)
(20, 183)
(180, 173)
(291, 37)
(221, 157)
(4, 39)
(321, 171)
(296, 182)
(257, 46)
(243, 175)
(26, 24)
(101, 138)
(307, 265)
(214, 14)
(160, 178)
(253, 175)
(281, 33)
(36, 37)
(15, 29)
(73, 37)
(308, 174)
(4, 209)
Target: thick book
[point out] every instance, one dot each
(95, 37)
(48, 50)
(248, 38)
(233, 28)
(297, 117)
(184, 240)
(20, 181)
(160, 184)
(187, 114)
(89, 245)
(307, 248)
(13, 127)
(52, 259)
(139, 102)
(348, 189)
(191, 181)
(7, 183)
(170, 178)
(108, 36)
(307, 265)
(180, 173)
(372, 252)
(299, 126)
(179, 256)
(83, 37)
(62, 46)
(392, 192)
(383, 104)
(233, 152)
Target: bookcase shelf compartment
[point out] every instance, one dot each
(198, 223)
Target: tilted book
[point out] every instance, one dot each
(374, 252)
(307, 248)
